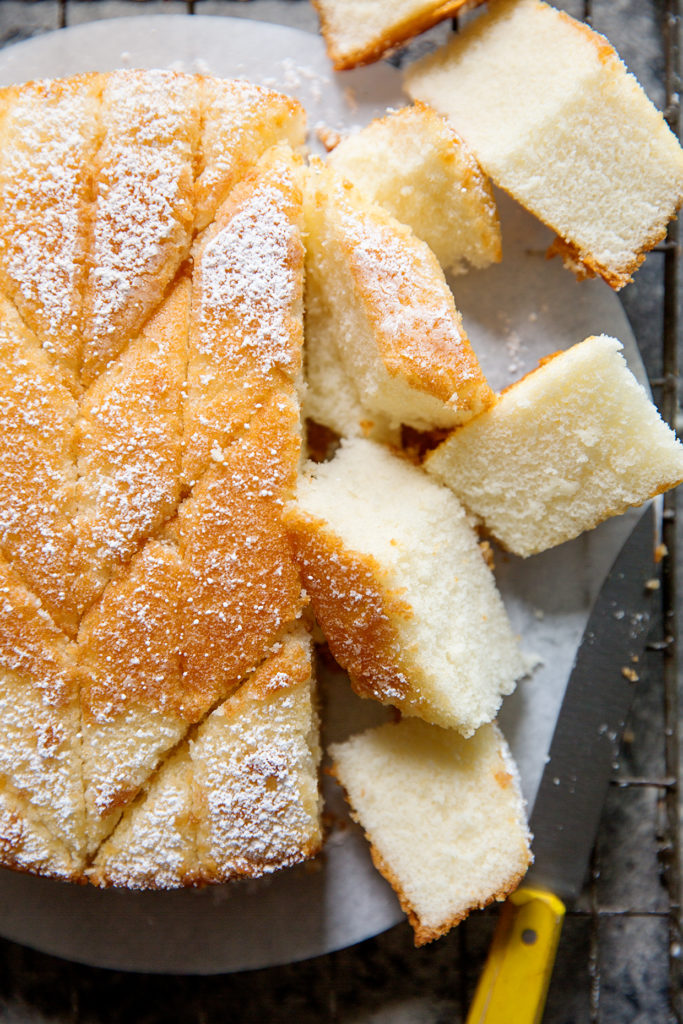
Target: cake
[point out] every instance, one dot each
(361, 31)
(151, 332)
(444, 817)
(385, 344)
(570, 444)
(556, 120)
(386, 554)
(415, 165)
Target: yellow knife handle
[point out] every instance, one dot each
(514, 983)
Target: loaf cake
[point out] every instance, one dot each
(361, 31)
(413, 164)
(555, 119)
(151, 333)
(444, 817)
(380, 312)
(570, 444)
(386, 555)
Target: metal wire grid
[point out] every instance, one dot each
(665, 648)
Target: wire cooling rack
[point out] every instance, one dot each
(620, 955)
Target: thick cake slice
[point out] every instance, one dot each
(37, 470)
(399, 335)
(360, 31)
(240, 798)
(555, 119)
(130, 670)
(143, 210)
(240, 121)
(246, 331)
(27, 845)
(49, 134)
(128, 436)
(400, 588)
(574, 442)
(444, 817)
(414, 165)
(40, 756)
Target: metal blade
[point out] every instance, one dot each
(588, 732)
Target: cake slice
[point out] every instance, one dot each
(240, 121)
(572, 443)
(361, 31)
(399, 336)
(414, 165)
(246, 329)
(49, 134)
(555, 119)
(400, 588)
(143, 209)
(40, 755)
(134, 707)
(444, 817)
(239, 799)
(128, 438)
(37, 471)
(27, 845)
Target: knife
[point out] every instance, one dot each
(514, 983)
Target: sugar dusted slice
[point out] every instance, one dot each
(399, 336)
(239, 799)
(129, 440)
(240, 121)
(555, 119)
(37, 472)
(414, 165)
(143, 210)
(27, 845)
(360, 31)
(256, 760)
(574, 442)
(134, 706)
(400, 588)
(49, 133)
(40, 755)
(246, 330)
(444, 816)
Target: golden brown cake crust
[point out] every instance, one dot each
(353, 608)
(398, 283)
(135, 599)
(399, 33)
(239, 798)
(584, 264)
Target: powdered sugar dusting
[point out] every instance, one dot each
(36, 472)
(144, 214)
(258, 774)
(49, 141)
(249, 275)
(26, 844)
(411, 305)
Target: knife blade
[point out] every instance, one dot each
(566, 812)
